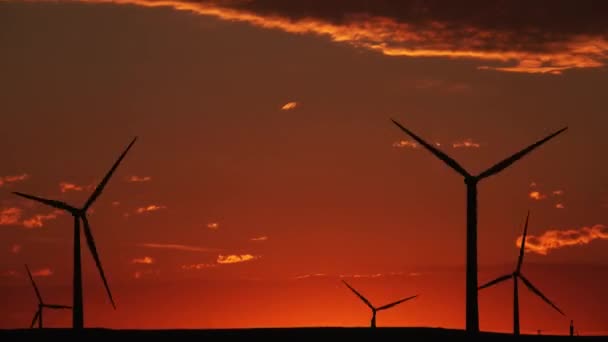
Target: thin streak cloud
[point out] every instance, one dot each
(177, 247)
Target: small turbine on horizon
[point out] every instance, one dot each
(515, 275)
(472, 304)
(376, 309)
(41, 304)
(80, 214)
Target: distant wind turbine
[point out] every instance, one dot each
(515, 275)
(375, 309)
(81, 214)
(472, 305)
(41, 304)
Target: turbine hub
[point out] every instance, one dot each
(470, 180)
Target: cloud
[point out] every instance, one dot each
(234, 258)
(37, 221)
(65, 187)
(259, 238)
(467, 143)
(559, 206)
(376, 275)
(536, 195)
(44, 272)
(547, 37)
(405, 143)
(10, 216)
(13, 179)
(358, 275)
(177, 247)
(15, 248)
(150, 208)
(558, 192)
(213, 225)
(555, 239)
(311, 275)
(145, 260)
(289, 106)
(138, 179)
(197, 266)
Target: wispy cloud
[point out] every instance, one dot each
(177, 247)
(234, 258)
(10, 216)
(375, 275)
(310, 275)
(197, 266)
(259, 238)
(145, 260)
(555, 239)
(559, 206)
(139, 179)
(12, 179)
(405, 143)
(66, 186)
(358, 275)
(467, 143)
(536, 195)
(557, 192)
(37, 221)
(15, 248)
(289, 106)
(43, 272)
(213, 225)
(150, 208)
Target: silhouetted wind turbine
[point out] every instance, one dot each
(517, 274)
(81, 214)
(375, 309)
(472, 306)
(41, 304)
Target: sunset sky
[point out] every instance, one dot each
(267, 169)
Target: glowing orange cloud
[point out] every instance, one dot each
(289, 106)
(197, 266)
(177, 247)
(468, 143)
(537, 195)
(150, 208)
(559, 206)
(259, 238)
(15, 248)
(500, 50)
(405, 143)
(10, 216)
(145, 260)
(554, 239)
(45, 272)
(65, 186)
(234, 258)
(213, 225)
(37, 221)
(558, 192)
(12, 179)
(138, 179)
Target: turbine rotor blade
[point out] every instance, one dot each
(515, 157)
(34, 284)
(35, 319)
(495, 281)
(523, 244)
(438, 153)
(56, 306)
(107, 177)
(52, 203)
(538, 293)
(387, 306)
(91, 243)
(360, 296)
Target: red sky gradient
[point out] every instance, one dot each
(267, 168)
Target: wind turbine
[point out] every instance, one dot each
(80, 214)
(472, 305)
(515, 275)
(41, 304)
(375, 309)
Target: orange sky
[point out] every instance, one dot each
(266, 154)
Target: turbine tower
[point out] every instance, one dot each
(375, 309)
(41, 304)
(80, 214)
(472, 305)
(515, 275)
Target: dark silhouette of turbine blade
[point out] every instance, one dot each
(512, 159)
(91, 243)
(495, 281)
(538, 293)
(34, 284)
(35, 319)
(105, 180)
(52, 203)
(55, 306)
(359, 295)
(523, 244)
(438, 153)
(387, 306)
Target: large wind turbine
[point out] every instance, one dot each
(517, 274)
(41, 304)
(375, 309)
(80, 214)
(472, 307)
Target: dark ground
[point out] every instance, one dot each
(262, 334)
